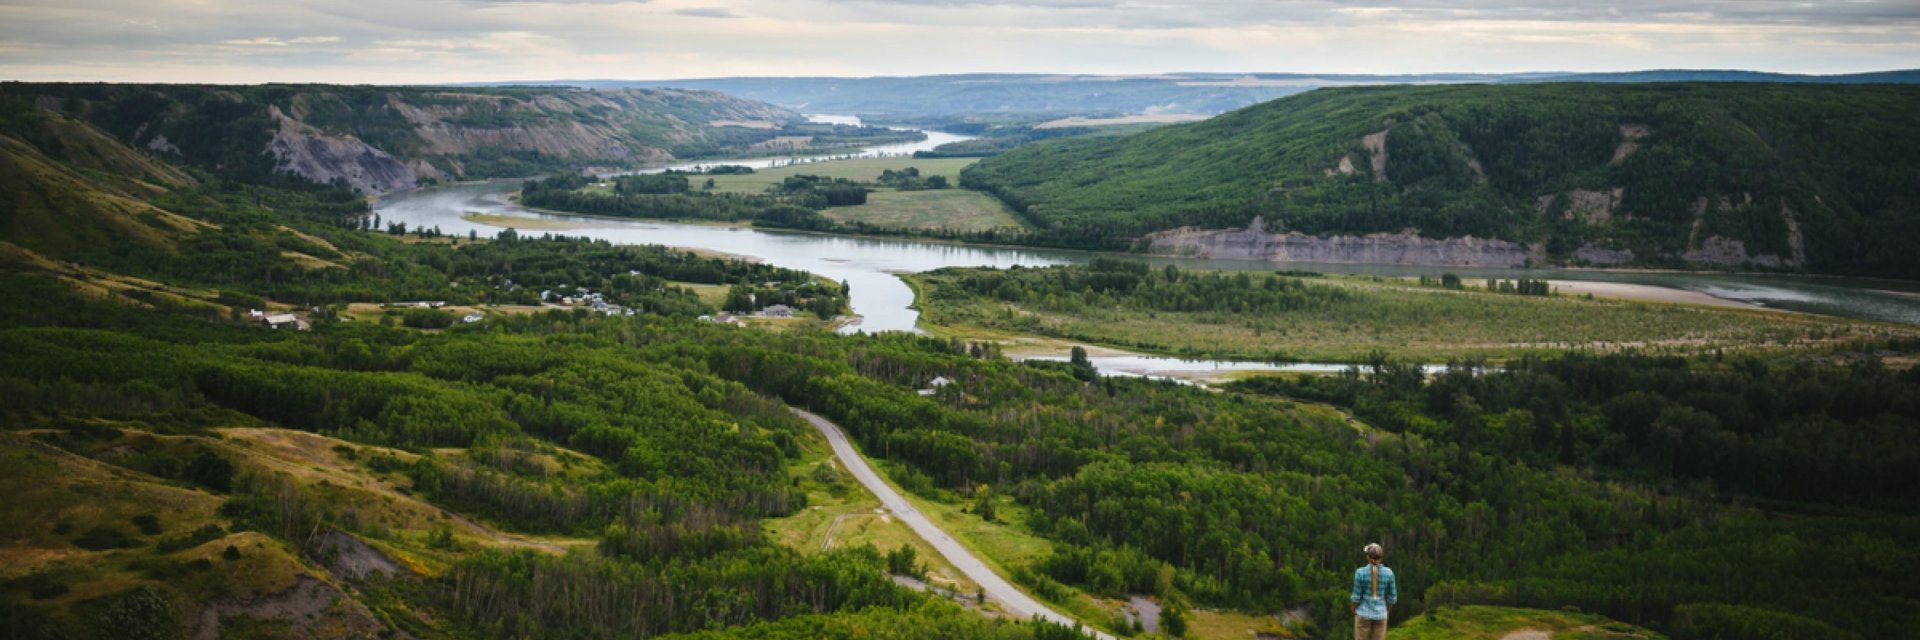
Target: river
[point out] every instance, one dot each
(884, 303)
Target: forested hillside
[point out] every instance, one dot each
(175, 468)
(1770, 176)
(379, 139)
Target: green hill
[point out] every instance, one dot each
(65, 185)
(383, 138)
(1816, 178)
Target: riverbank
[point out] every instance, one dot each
(1649, 293)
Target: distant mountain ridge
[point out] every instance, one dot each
(379, 139)
(1727, 175)
(1203, 93)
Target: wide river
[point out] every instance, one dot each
(883, 302)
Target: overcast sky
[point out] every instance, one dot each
(433, 41)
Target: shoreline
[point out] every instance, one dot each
(1652, 293)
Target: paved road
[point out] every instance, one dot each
(1016, 603)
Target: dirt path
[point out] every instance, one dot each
(1017, 604)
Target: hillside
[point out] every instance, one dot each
(379, 139)
(1774, 176)
(65, 186)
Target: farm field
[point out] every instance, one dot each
(955, 209)
(856, 169)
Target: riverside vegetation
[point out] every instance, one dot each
(170, 463)
(1304, 316)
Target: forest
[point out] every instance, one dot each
(1818, 170)
(1481, 501)
(611, 476)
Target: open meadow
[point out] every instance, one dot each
(953, 209)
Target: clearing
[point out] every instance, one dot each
(955, 209)
(856, 169)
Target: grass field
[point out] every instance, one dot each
(1497, 623)
(856, 169)
(840, 513)
(955, 209)
(1403, 319)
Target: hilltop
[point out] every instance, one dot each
(931, 97)
(1774, 176)
(379, 139)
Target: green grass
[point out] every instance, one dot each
(1494, 623)
(955, 209)
(1402, 319)
(843, 514)
(856, 169)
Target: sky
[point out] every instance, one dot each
(440, 41)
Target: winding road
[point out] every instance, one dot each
(1016, 603)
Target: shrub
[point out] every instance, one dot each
(147, 523)
(102, 538)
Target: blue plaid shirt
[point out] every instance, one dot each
(1374, 607)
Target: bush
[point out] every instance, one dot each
(148, 524)
(141, 613)
(211, 471)
(103, 538)
(426, 319)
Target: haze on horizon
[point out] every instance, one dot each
(440, 41)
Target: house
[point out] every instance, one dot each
(934, 385)
(728, 318)
(777, 311)
(285, 320)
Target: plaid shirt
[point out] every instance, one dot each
(1374, 599)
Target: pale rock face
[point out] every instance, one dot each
(311, 153)
(1406, 248)
(1728, 252)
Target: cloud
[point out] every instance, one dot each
(706, 12)
(277, 42)
(427, 41)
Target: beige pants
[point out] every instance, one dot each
(1364, 629)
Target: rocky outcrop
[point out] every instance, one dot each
(1406, 248)
(309, 609)
(1630, 136)
(317, 156)
(1376, 144)
(1722, 251)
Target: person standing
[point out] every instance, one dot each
(1374, 592)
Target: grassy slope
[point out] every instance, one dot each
(1841, 158)
(1497, 623)
(52, 490)
(955, 209)
(65, 185)
(465, 132)
(1398, 317)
